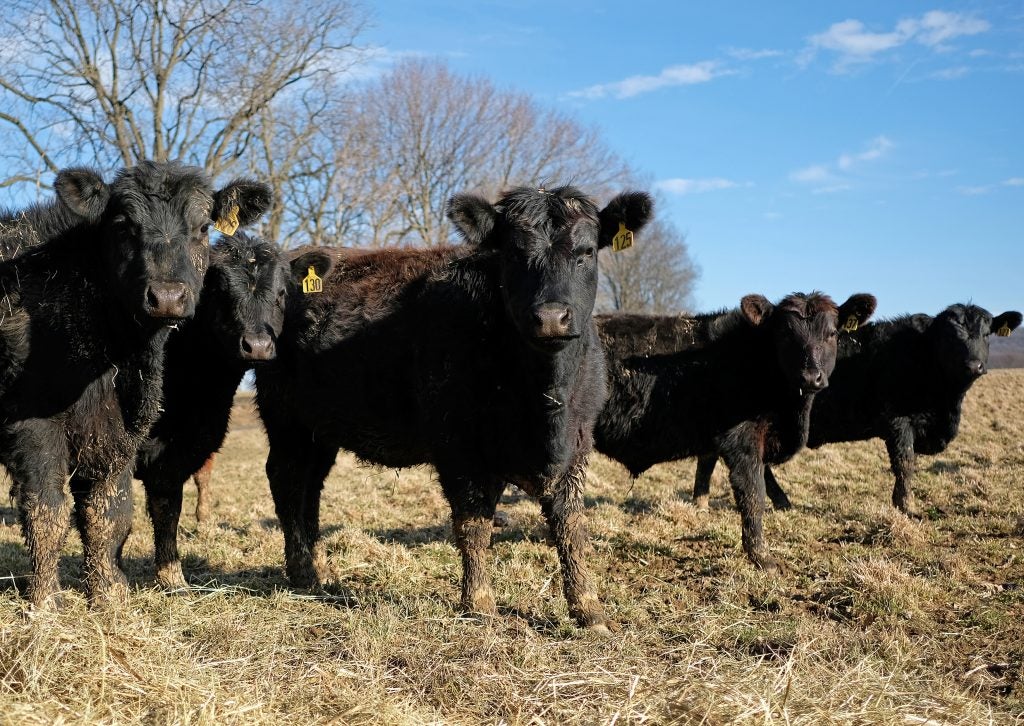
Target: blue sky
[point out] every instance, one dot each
(841, 146)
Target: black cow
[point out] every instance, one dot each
(84, 319)
(236, 326)
(480, 359)
(903, 381)
(740, 382)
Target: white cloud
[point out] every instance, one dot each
(696, 186)
(748, 54)
(937, 26)
(831, 189)
(876, 148)
(811, 174)
(951, 74)
(681, 75)
(829, 178)
(1014, 181)
(979, 53)
(854, 43)
(772, 216)
(975, 191)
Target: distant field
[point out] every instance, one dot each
(879, 619)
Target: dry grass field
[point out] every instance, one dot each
(879, 619)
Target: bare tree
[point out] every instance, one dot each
(210, 82)
(655, 275)
(422, 133)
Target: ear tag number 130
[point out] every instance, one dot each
(312, 283)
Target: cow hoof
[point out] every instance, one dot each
(480, 603)
(51, 603)
(303, 577)
(337, 595)
(701, 502)
(908, 508)
(170, 576)
(606, 628)
(114, 594)
(502, 520)
(767, 563)
(782, 506)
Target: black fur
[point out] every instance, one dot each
(236, 326)
(480, 359)
(739, 382)
(84, 315)
(903, 381)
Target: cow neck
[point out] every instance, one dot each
(554, 380)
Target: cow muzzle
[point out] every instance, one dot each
(256, 346)
(813, 380)
(167, 300)
(552, 321)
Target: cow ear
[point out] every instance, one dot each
(473, 216)
(239, 204)
(755, 308)
(631, 210)
(1006, 323)
(83, 191)
(856, 310)
(320, 261)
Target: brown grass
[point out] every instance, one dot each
(879, 619)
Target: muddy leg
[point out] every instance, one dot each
(746, 475)
(473, 537)
(45, 514)
(103, 512)
(702, 480)
(473, 502)
(775, 493)
(202, 480)
(900, 445)
(569, 530)
(163, 501)
(38, 471)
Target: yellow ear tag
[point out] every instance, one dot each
(228, 223)
(312, 283)
(851, 324)
(1004, 331)
(623, 239)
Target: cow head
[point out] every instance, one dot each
(959, 337)
(154, 220)
(243, 298)
(805, 332)
(547, 243)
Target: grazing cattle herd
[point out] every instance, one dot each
(124, 335)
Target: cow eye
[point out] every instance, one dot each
(205, 229)
(584, 256)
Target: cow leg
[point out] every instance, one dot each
(702, 480)
(296, 468)
(103, 512)
(746, 475)
(568, 525)
(37, 461)
(775, 493)
(900, 444)
(163, 501)
(44, 510)
(202, 480)
(473, 509)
